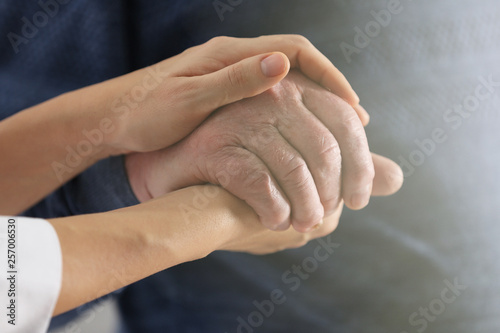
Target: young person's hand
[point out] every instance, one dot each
(152, 108)
(207, 77)
(181, 226)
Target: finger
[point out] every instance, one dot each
(320, 150)
(330, 223)
(292, 174)
(327, 226)
(344, 123)
(246, 78)
(244, 175)
(310, 61)
(301, 53)
(388, 176)
(362, 114)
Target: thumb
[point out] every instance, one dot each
(388, 176)
(247, 78)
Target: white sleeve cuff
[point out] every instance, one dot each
(30, 274)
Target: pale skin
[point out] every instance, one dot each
(176, 233)
(104, 252)
(282, 152)
(193, 84)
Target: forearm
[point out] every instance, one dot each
(104, 252)
(33, 143)
(48, 144)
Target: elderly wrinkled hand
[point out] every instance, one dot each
(292, 153)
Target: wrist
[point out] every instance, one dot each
(103, 110)
(186, 225)
(137, 170)
(89, 126)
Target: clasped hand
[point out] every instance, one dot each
(293, 153)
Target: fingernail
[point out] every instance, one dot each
(317, 226)
(273, 65)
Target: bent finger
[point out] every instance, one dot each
(344, 123)
(244, 175)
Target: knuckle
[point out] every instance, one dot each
(331, 203)
(298, 174)
(300, 40)
(309, 219)
(236, 75)
(351, 123)
(286, 92)
(363, 173)
(261, 135)
(276, 93)
(261, 182)
(328, 174)
(275, 211)
(254, 185)
(345, 112)
(191, 50)
(227, 164)
(218, 40)
(274, 215)
(329, 156)
(222, 144)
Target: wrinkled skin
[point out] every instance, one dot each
(292, 153)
